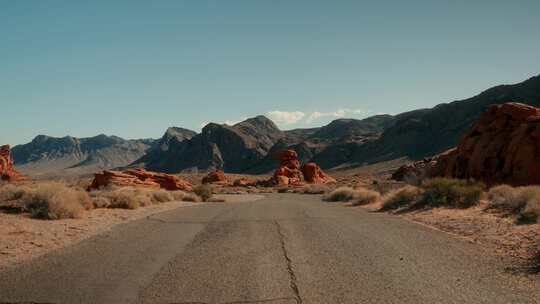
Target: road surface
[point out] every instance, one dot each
(285, 248)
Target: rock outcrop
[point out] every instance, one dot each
(288, 172)
(7, 171)
(140, 178)
(215, 177)
(503, 146)
(314, 175)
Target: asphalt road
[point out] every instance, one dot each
(285, 248)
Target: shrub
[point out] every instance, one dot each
(401, 197)
(101, 202)
(366, 196)
(521, 201)
(341, 194)
(125, 198)
(10, 192)
(161, 196)
(450, 192)
(204, 192)
(507, 199)
(178, 195)
(191, 197)
(56, 201)
(314, 189)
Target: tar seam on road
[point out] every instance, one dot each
(239, 302)
(290, 270)
(156, 219)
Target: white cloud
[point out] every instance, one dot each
(231, 122)
(285, 118)
(339, 113)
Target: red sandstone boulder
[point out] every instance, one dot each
(314, 175)
(502, 146)
(7, 171)
(217, 176)
(288, 172)
(140, 178)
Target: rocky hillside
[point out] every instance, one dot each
(427, 132)
(231, 148)
(501, 148)
(47, 155)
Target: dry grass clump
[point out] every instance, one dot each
(524, 202)
(133, 198)
(205, 192)
(314, 189)
(451, 192)
(398, 198)
(50, 200)
(341, 194)
(365, 196)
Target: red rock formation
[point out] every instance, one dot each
(217, 177)
(314, 175)
(288, 172)
(7, 171)
(139, 178)
(503, 146)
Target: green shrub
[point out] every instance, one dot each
(398, 198)
(451, 192)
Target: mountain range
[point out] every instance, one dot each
(249, 146)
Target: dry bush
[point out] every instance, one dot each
(9, 193)
(521, 201)
(56, 201)
(314, 189)
(178, 195)
(398, 198)
(341, 194)
(365, 196)
(161, 196)
(204, 191)
(451, 192)
(507, 199)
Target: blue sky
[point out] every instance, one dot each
(133, 68)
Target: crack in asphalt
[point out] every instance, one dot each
(292, 275)
(237, 302)
(155, 219)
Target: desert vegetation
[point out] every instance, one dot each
(521, 202)
(357, 196)
(61, 200)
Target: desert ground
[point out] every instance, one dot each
(310, 243)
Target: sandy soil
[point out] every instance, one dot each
(476, 225)
(23, 238)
